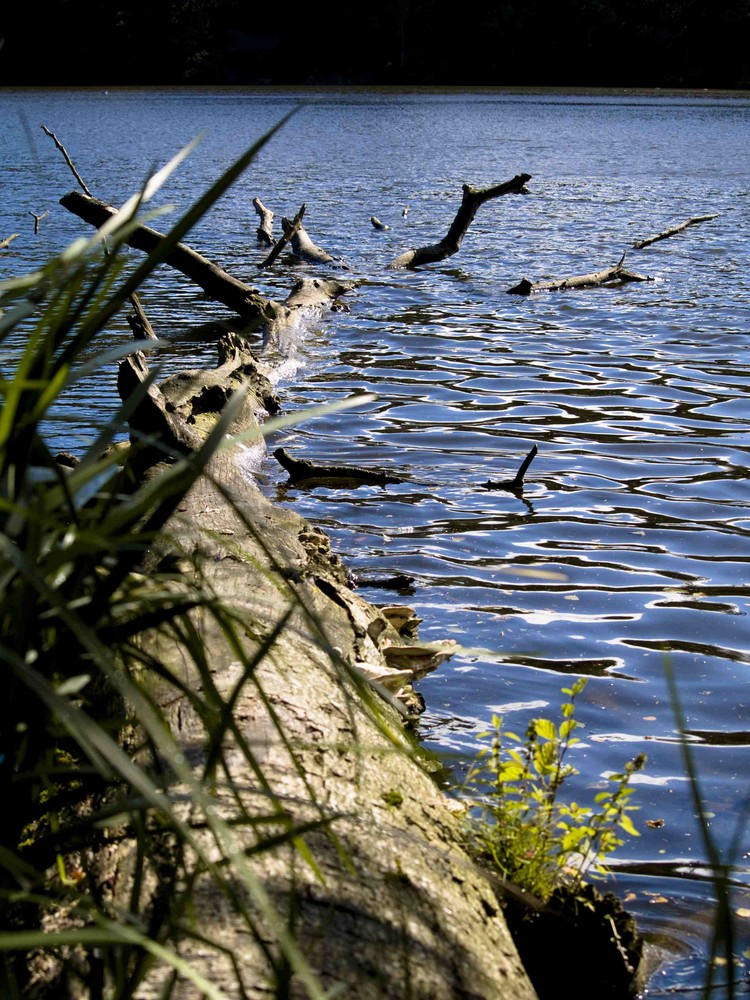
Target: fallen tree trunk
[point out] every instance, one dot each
(451, 242)
(393, 907)
(673, 231)
(616, 275)
(302, 471)
(214, 281)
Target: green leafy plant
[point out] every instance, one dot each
(534, 837)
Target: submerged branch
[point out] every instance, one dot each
(674, 230)
(516, 484)
(615, 275)
(300, 471)
(451, 242)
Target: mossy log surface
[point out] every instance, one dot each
(401, 911)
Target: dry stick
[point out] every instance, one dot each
(675, 229)
(4, 244)
(288, 234)
(37, 219)
(68, 160)
(609, 275)
(451, 242)
(264, 231)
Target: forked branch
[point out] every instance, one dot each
(451, 242)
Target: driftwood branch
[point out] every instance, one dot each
(214, 281)
(37, 219)
(304, 248)
(300, 471)
(265, 229)
(138, 321)
(377, 224)
(615, 275)
(68, 160)
(674, 230)
(4, 244)
(514, 485)
(289, 232)
(451, 242)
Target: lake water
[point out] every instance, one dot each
(628, 551)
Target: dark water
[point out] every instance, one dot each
(628, 552)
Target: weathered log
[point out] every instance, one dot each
(312, 293)
(4, 244)
(392, 886)
(151, 419)
(286, 236)
(615, 275)
(377, 224)
(194, 392)
(674, 230)
(302, 471)
(214, 281)
(516, 484)
(451, 242)
(264, 231)
(304, 248)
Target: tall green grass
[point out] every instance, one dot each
(76, 676)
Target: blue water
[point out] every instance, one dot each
(628, 552)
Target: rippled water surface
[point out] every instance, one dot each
(628, 550)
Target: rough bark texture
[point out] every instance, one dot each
(451, 242)
(399, 912)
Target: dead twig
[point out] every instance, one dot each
(68, 160)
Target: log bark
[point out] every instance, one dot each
(615, 275)
(673, 231)
(194, 392)
(215, 282)
(302, 471)
(451, 242)
(4, 244)
(395, 908)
